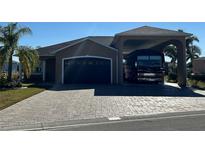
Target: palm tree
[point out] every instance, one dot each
(9, 37)
(171, 52)
(2, 57)
(193, 51)
(28, 58)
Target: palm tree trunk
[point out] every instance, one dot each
(10, 68)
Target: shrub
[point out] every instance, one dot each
(197, 84)
(13, 84)
(3, 79)
(5, 84)
(199, 77)
(19, 84)
(172, 77)
(201, 85)
(15, 76)
(34, 78)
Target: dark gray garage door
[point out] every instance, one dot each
(87, 70)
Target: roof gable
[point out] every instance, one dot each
(53, 49)
(48, 50)
(83, 43)
(152, 31)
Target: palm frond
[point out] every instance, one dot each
(23, 31)
(171, 52)
(29, 59)
(197, 50)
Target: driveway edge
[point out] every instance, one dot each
(83, 122)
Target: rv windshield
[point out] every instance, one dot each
(149, 61)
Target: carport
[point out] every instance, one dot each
(152, 38)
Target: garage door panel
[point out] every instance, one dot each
(87, 70)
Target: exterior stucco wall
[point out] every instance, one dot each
(50, 70)
(198, 66)
(86, 48)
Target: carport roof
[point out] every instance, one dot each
(52, 49)
(152, 31)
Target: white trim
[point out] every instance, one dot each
(87, 56)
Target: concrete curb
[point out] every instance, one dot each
(77, 123)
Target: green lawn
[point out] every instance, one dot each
(12, 96)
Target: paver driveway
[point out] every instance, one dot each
(74, 102)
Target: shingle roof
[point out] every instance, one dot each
(152, 31)
(51, 50)
(46, 51)
(108, 40)
(104, 40)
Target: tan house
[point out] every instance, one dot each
(99, 59)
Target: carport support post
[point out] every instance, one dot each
(120, 63)
(44, 70)
(181, 66)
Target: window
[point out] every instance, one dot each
(143, 58)
(149, 61)
(155, 57)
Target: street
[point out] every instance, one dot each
(187, 122)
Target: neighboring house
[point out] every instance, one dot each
(99, 59)
(199, 65)
(15, 67)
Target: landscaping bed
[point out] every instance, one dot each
(196, 84)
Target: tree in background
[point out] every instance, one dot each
(171, 52)
(193, 51)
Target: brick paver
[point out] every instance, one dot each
(83, 102)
